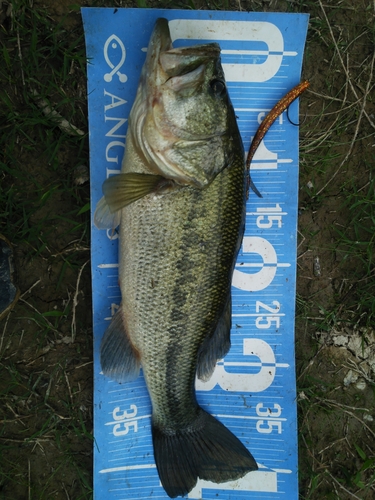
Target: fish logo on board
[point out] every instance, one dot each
(113, 42)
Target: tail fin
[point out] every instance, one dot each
(206, 449)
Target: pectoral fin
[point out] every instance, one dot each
(104, 218)
(120, 191)
(123, 189)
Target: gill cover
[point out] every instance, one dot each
(180, 122)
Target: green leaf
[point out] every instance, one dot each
(84, 209)
(360, 452)
(53, 313)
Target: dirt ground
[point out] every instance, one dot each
(46, 341)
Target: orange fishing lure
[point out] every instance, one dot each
(275, 112)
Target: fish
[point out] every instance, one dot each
(179, 202)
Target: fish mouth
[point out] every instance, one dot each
(160, 42)
(164, 62)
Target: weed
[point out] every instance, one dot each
(44, 213)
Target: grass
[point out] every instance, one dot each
(45, 344)
(356, 245)
(336, 421)
(45, 442)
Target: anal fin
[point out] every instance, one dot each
(216, 346)
(118, 358)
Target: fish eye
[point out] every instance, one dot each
(218, 87)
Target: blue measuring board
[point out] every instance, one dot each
(252, 390)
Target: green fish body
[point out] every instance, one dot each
(180, 201)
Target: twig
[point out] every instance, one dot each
(352, 365)
(332, 444)
(20, 56)
(29, 485)
(303, 239)
(61, 122)
(29, 289)
(3, 334)
(36, 310)
(314, 459)
(311, 362)
(342, 406)
(75, 248)
(75, 302)
(18, 418)
(341, 486)
(27, 440)
(84, 364)
(69, 389)
(345, 68)
(315, 143)
(66, 493)
(356, 129)
(346, 108)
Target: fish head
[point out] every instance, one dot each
(182, 121)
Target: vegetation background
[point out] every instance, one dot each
(46, 341)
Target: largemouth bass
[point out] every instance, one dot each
(180, 201)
